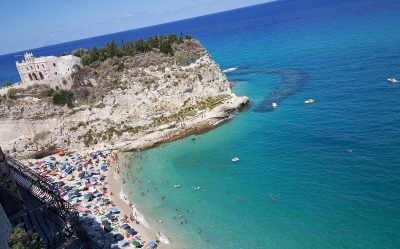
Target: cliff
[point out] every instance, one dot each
(129, 103)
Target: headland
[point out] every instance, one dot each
(120, 103)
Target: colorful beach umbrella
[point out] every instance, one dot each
(152, 244)
(136, 244)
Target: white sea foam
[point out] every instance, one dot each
(138, 216)
(229, 70)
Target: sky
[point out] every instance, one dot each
(37, 23)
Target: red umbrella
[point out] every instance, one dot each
(43, 174)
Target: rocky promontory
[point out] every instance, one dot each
(127, 102)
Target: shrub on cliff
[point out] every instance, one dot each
(63, 97)
(21, 239)
(11, 93)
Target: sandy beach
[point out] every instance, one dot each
(86, 180)
(145, 233)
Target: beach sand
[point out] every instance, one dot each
(145, 233)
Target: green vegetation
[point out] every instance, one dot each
(63, 97)
(110, 50)
(11, 93)
(21, 239)
(7, 84)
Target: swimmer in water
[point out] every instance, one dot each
(272, 197)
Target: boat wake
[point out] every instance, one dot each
(229, 70)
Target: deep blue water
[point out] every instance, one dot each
(332, 166)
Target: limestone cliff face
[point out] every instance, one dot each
(152, 102)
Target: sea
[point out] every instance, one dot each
(319, 175)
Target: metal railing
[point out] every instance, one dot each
(48, 193)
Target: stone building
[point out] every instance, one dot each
(45, 67)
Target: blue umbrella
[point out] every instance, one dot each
(151, 244)
(115, 210)
(124, 226)
(122, 242)
(132, 231)
(70, 194)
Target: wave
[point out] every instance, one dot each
(138, 216)
(229, 70)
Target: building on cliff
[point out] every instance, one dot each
(45, 67)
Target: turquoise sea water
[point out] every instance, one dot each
(332, 166)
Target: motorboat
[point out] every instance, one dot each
(177, 186)
(309, 101)
(274, 105)
(235, 159)
(393, 80)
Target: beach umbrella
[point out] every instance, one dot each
(82, 209)
(118, 236)
(107, 227)
(43, 175)
(110, 216)
(124, 226)
(122, 242)
(61, 183)
(86, 204)
(89, 185)
(69, 177)
(132, 231)
(87, 196)
(136, 244)
(152, 244)
(115, 210)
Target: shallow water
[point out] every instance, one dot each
(332, 166)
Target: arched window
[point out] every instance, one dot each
(43, 65)
(54, 64)
(37, 66)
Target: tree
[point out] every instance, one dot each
(63, 97)
(8, 83)
(79, 52)
(11, 93)
(86, 59)
(21, 239)
(64, 53)
(188, 37)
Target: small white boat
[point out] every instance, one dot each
(235, 159)
(274, 105)
(309, 101)
(393, 80)
(177, 186)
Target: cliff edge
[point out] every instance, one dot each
(127, 103)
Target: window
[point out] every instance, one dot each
(43, 65)
(54, 64)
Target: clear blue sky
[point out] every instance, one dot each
(36, 23)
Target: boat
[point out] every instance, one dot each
(309, 101)
(274, 105)
(393, 80)
(177, 186)
(235, 159)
